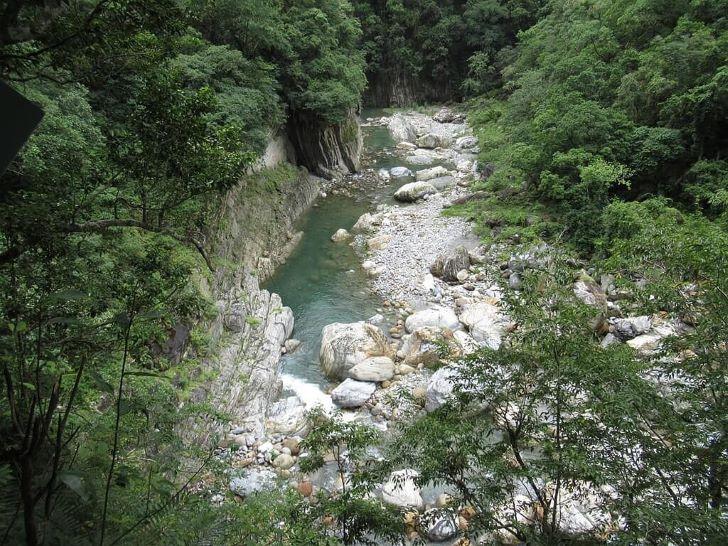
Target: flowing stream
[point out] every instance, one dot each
(323, 282)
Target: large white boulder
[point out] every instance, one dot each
(429, 174)
(402, 491)
(344, 345)
(485, 323)
(401, 129)
(440, 387)
(252, 481)
(376, 368)
(352, 393)
(434, 317)
(409, 193)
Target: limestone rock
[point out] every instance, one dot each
(402, 491)
(435, 317)
(340, 236)
(401, 128)
(253, 481)
(442, 526)
(343, 346)
(430, 141)
(352, 393)
(400, 173)
(440, 388)
(409, 193)
(631, 327)
(447, 266)
(485, 323)
(466, 143)
(429, 174)
(287, 415)
(376, 368)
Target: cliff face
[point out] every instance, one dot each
(326, 150)
(399, 88)
(254, 234)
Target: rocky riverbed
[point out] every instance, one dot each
(439, 288)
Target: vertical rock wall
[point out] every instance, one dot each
(326, 150)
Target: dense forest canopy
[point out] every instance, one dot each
(602, 128)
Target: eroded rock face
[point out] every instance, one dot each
(327, 150)
(435, 317)
(344, 345)
(409, 193)
(286, 416)
(352, 393)
(401, 490)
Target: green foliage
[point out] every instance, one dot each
(357, 517)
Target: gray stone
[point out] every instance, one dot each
(435, 317)
(485, 323)
(352, 393)
(429, 174)
(440, 388)
(447, 266)
(443, 182)
(399, 173)
(401, 490)
(429, 141)
(401, 128)
(466, 143)
(376, 368)
(340, 236)
(441, 526)
(409, 193)
(343, 346)
(287, 415)
(631, 327)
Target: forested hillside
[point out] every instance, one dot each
(600, 197)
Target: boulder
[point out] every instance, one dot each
(401, 490)
(401, 129)
(343, 346)
(400, 173)
(340, 235)
(466, 143)
(429, 141)
(352, 393)
(443, 182)
(378, 242)
(485, 323)
(429, 174)
(419, 159)
(365, 222)
(589, 291)
(409, 193)
(440, 388)
(466, 343)
(384, 174)
(441, 525)
(435, 317)
(631, 327)
(283, 461)
(408, 146)
(291, 345)
(446, 267)
(445, 115)
(253, 481)
(376, 368)
(286, 415)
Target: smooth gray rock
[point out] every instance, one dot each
(441, 526)
(376, 368)
(435, 317)
(409, 193)
(440, 388)
(401, 490)
(631, 327)
(253, 481)
(429, 174)
(352, 393)
(447, 267)
(400, 173)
